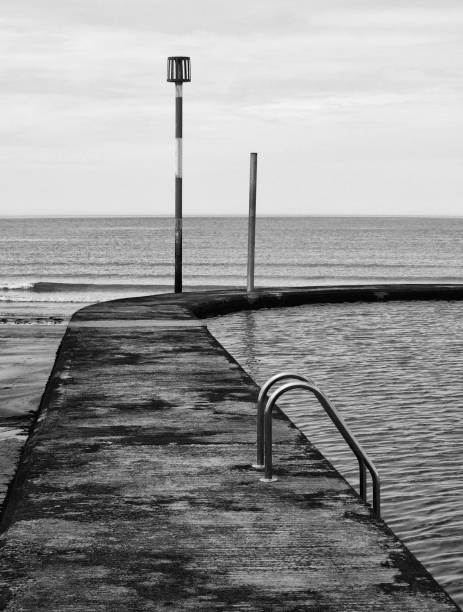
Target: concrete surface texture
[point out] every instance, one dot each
(136, 492)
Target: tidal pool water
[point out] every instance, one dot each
(395, 372)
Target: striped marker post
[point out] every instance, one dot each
(178, 186)
(178, 72)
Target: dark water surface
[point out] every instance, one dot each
(395, 372)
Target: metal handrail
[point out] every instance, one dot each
(260, 407)
(362, 457)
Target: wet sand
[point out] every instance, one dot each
(27, 352)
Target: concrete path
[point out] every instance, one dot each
(135, 491)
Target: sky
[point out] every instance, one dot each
(353, 106)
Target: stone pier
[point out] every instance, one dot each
(135, 490)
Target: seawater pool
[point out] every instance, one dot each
(395, 372)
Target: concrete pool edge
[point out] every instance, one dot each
(159, 308)
(203, 304)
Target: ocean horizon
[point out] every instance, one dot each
(76, 260)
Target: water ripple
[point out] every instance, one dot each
(395, 372)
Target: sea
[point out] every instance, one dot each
(61, 263)
(393, 369)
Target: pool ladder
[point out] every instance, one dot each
(264, 432)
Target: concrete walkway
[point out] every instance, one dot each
(135, 491)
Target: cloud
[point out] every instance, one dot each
(290, 107)
(84, 82)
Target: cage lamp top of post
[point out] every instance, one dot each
(178, 69)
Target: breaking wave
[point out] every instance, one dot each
(51, 287)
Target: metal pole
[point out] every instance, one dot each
(178, 185)
(252, 221)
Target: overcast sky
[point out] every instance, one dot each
(354, 106)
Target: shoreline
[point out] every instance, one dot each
(27, 355)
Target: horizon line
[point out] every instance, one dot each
(228, 215)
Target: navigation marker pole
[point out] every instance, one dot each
(252, 221)
(178, 72)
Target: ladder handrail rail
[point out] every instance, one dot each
(260, 406)
(277, 377)
(338, 421)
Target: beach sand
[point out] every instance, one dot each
(27, 352)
